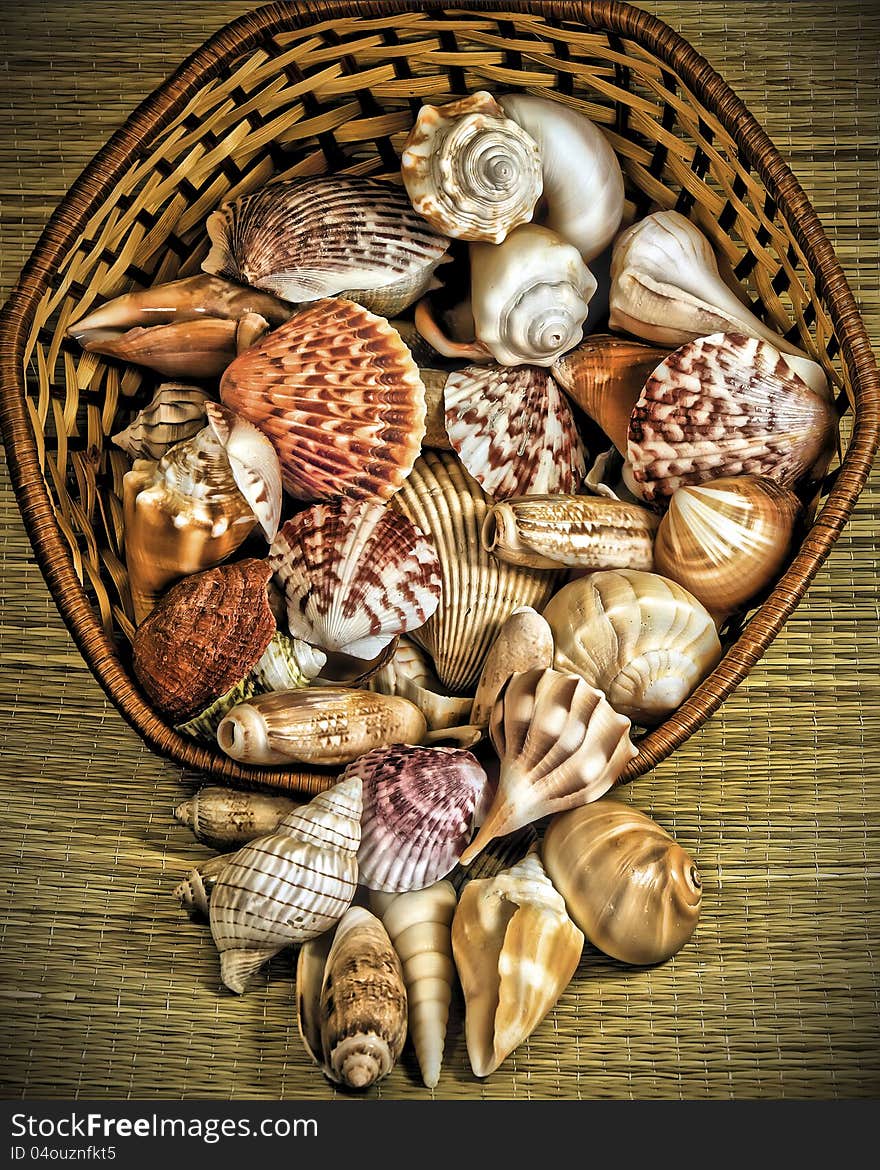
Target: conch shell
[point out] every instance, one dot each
(176, 412)
(524, 642)
(516, 950)
(471, 172)
(631, 888)
(227, 817)
(289, 886)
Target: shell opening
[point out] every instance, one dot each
(227, 737)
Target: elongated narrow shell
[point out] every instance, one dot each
(224, 817)
(560, 743)
(289, 886)
(478, 592)
(524, 642)
(308, 238)
(355, 575)
(516, 950)
(419, 808)
(643, 640)
(419, 924)
(727, 404)
(633, 890)
(325, 726)
(470, 171)
(176, 412)
(514, 430)
(338, 393)
(585, 532)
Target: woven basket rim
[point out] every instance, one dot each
(154, 114)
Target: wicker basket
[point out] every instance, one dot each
(297, 89)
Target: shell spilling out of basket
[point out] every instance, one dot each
(368, 537)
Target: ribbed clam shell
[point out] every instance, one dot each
(643, 640)
(524, 642)
(176, 412)
(470, 171)
(478, 592)
(355, 575)
(224, 817)
(726, 404)
(632, 889)
(308, 238)
(339, 395)
(560, 744)
(289, 886)
(586, 532)
(419, 806)
(513, 430)
(727, 539)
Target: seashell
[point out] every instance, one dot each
(176, 412)
(604, 375)
(355, 575)
(530, 296)
(632, 889)
(582, 179)
(324, 236)
(726, 405)
(524, 642)
(224, 817)
(288, 886)
(513, 430)
(419, 925)
(424, 354)
(478, 592)
(352, 1004)
(253, 463)
(339, 395)
(471, 172)
(665, 287)
(641, 639)
(194, 891)
(499, 854)
(516, 950)
(585, 532)
(458, 349)
(419, 809)
(326, 725)
(410, 674)
(560, 743)
(435, 409)
(727, 539)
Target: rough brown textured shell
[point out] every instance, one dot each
(203, 637)
(338, 393)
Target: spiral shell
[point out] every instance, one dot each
(224, 817)
(176, 412)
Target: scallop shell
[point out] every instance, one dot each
(478, 592)
(726, 405)
(524, 642)
(176, 412)
(633, 890)
(224, 817)
(514, 431)
(289, 886)
(339, 395)
(419, 808)
(560, 743)
(470, 171)
(355, 575)
(641, 639)
(308, 238)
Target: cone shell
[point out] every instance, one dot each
(355, 575)
(513, 430)
(524, 642)
(728, 539)
(726, 405)
(339, 395)
(308, 238)
(289, 886)
(478, 592)
(176, 412)
(560, 743)
(633, 890)
(516, 950)
(226, 817)
(643, 640)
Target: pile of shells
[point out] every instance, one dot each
(373, 530)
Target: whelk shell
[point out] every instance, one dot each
(176, 412)
(524, 642)
(224, 817)
(194, 891)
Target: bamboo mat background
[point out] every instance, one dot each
(109, 991)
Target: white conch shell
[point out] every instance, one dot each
(524, 642)
(530, 296)
(666, 288)
(473, 173)
(288, 886)
(419, 924)
(176, 412)
(516, 950)
(583, 182)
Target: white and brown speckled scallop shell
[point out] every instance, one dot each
(338, 393)
(355, 575)
(514, 430)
